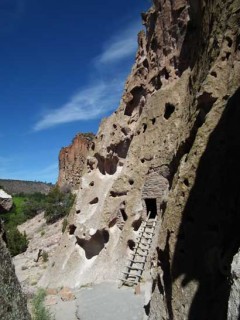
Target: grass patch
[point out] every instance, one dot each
(39, 310)
(56, 204)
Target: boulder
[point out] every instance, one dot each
(6, 201)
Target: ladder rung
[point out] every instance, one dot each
(136, 261)
(140, 255)
(143, 250)
(125, 280)
(135, 268)
(129, 275)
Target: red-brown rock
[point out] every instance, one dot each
(72, 160)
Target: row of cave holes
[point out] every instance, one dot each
(96, 243)
(169, 109)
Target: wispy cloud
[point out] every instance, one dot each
(120, 46)
(87, 104)
(97, 98)
(48, 173)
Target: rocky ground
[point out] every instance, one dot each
(41, 237)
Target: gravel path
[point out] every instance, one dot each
(103, 302)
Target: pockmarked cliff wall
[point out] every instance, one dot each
(72, 160)
(13, 304)
(172, 148)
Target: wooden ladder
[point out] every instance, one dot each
(135, 266)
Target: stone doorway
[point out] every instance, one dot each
(151, 206)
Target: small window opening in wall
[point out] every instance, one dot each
(151, 205)
(169, 109)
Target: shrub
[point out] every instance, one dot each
(39, 310)
(16, 241)
(64, 225)
(45, 256)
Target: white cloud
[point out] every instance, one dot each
(98, 98)
(120, 46)
(87, 104)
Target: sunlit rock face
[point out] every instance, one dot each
(172, 148)
(72, 160)
(13, 304)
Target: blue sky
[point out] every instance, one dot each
(63, 64)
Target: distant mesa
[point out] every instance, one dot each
(21, 186)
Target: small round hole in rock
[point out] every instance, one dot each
(78, 211)
(93, 201)
(131, 244)
(214, 74)
(131, 181)
(91, 184)
(153, 120)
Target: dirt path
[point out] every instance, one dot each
(103, 302)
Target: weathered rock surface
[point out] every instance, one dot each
(72, 160)
(234, 300)
(13, 303)
(6, 201)
(170, 148)
(30, 265)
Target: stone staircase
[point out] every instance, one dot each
(135, 266)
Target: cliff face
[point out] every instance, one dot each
(173, 142)
(72, 160)
(13, 304)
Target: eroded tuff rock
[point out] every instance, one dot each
(170, 148)
(6, 201)
(234, 299)
(13, 304)
(72, 160)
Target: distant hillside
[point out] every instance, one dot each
(28, 187)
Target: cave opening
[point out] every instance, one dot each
(151, 205)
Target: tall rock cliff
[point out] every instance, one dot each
(13, 304)
(170, 148)
(72, 160)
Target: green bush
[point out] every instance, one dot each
(16, 241)
(39, 310)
